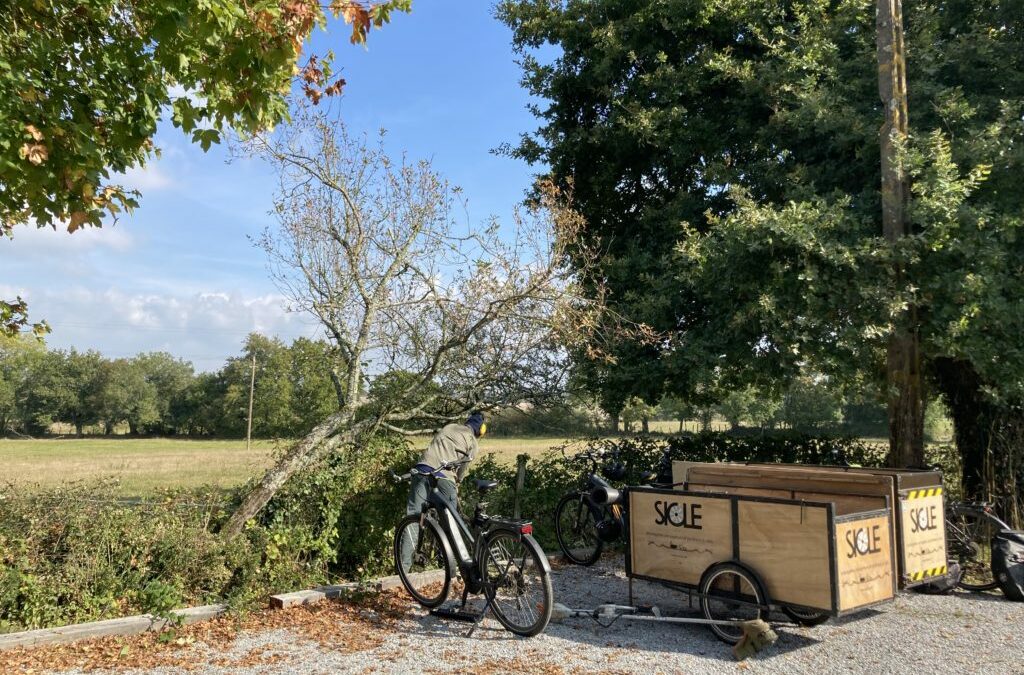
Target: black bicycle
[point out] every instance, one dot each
(969, 531)
(494, 556)
(589, 518)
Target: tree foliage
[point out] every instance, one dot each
(725, 155)
(83, 84)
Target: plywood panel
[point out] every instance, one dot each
(845, 504)
(787, 545)
(749, 492)
(864, 561)
(791, 479)
(676, 538)
(923, 529)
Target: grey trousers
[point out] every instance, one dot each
(421, 488)
(417, 498)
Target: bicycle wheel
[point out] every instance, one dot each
(729, 592)
(806, 617)
(517, 582)
(422, 560)
(969, 534)
(576, 529)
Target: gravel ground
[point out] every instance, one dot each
(961, 633)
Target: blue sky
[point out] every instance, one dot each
(181, 275)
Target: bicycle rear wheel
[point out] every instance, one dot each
(423, 562)
(576, 529)
(970, 540)
(517, 582)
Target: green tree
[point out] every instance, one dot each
(125, 396)
(810, 404)
(637, 410)
(314, 395)
(725, 155)
(83, 84)
(171, 378)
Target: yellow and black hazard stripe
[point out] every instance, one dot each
(927, 574)
(924, 492)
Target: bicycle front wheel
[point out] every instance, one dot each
(423, 562)
(576, 529)
(970, 542)
(517, 582)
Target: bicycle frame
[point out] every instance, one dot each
(458, 534)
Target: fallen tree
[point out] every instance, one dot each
(471, 316)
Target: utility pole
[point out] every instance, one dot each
(252, 391)
(903, 361)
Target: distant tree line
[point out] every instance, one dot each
(156, 393)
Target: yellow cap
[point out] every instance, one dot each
(483, 428)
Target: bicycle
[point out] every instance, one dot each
(494, 556)
(969, 531)
(588, 518)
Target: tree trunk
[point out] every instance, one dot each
(315, 445)
(681, 423)
(646, 425)
(78, 428)
(903, 367)
(988, 438)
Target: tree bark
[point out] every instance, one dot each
(323, 438)
(988, 438)
(646, 425)
(903, 362)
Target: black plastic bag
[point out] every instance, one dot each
(1008, 563)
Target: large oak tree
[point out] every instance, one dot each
(726, 159)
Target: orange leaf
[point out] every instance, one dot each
(78, 218)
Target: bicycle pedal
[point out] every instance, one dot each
(455, 614)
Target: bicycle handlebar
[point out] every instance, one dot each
(416, 472)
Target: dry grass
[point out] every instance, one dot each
(144, 465)
(141, 465)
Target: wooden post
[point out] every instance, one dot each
(252, 391)
(903, 361)
(520, 480)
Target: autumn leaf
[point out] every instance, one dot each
(34, 132)
(78, 218)
(34, 152)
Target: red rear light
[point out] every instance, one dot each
(526, 529)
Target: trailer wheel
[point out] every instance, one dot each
(731, 592)
(806, 617)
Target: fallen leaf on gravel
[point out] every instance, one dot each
(335, 625)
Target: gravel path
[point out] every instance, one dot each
(962, 633)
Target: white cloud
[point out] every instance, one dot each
(29, 239)
(146, 178)
(205, 328)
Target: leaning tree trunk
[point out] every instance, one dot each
(323, 438)
(988, 436)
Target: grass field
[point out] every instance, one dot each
(143, 465)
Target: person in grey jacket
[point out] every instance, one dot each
(454, 442)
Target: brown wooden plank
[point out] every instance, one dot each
(787, 545)
(864, 561)
(744, 491)
(845, 504)
(676, 538)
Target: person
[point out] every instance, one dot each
(454, 442)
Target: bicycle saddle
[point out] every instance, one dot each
(484, 485)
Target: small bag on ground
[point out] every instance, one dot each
(1008, 563)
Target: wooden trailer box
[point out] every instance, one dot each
(918, 521)
(804, 553)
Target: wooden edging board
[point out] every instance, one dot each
(804, 555)
(918, 518)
